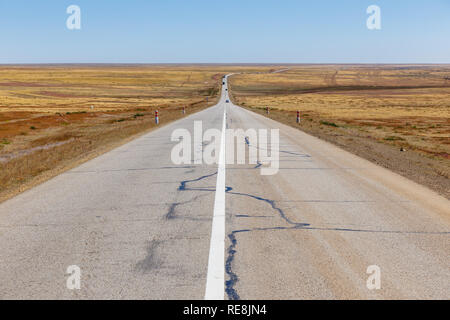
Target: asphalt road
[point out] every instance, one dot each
(141, 227)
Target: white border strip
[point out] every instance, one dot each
(215, 281)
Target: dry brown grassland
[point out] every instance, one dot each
(374, 111)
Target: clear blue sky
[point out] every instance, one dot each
(213, 31)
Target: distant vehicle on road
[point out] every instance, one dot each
(228, 101)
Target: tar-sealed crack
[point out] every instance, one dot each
(229, 284)
(184, 187)
(247, 142)
(183, 183)
(273, 204)
(233, 278)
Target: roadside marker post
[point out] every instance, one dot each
(267, 110)
(298, 116)
(156, 117)
(184, 110)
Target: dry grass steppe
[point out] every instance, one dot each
(365, 109)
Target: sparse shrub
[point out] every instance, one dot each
(331, 124)
(76, 112)
(393, 138)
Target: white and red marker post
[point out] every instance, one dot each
(267, 109)
(156, 117)
(298, 116)
(184, 110)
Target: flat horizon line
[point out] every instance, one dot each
(219, 63)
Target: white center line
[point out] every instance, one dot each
(215, 281)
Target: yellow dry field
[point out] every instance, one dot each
(65, 88)
(403, 105)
